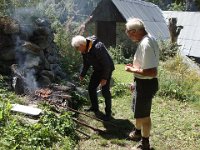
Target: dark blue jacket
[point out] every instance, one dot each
(98, 58)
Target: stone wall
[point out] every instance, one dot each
(27, 51)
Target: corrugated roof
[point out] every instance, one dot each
(149, 13)
(189, 37)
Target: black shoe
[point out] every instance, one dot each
(107, 117)
(98, 114)
(135, 135)
(91, 109)
(142, 146)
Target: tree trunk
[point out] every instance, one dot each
(174, 29)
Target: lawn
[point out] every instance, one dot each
(120, 75)
(175, 125)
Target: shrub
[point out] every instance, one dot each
(119, 89)
(51, 130)
(167, 50)
(70, 59)
(5, 108)
(117, 54)
(178, 81)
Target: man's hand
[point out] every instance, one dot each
(132, 87)
(103, 82)
(81, 78)
(130, 68)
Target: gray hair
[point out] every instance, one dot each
(78, 40)
(134, 24)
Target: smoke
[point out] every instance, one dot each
(52, 9)
(31, 84)
(31, 61)
(30, 74)
(26, 61)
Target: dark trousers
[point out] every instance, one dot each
(144, 93)
(92, 88)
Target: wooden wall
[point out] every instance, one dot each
(106, 32)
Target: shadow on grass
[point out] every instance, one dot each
(117, 129)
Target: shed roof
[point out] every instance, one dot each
(122, 10)
(189, 37)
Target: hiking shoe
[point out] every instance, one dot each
(142, 146)
(135, 135)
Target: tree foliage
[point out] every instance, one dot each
(67, 16)
(178, 5)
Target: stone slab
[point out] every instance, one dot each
(28, 110)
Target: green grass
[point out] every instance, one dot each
(175, 124)
(120, 75)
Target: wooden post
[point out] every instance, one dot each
(174, 29)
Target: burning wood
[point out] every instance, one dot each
(44, 93)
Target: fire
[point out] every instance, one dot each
(44, 93)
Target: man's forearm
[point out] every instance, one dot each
(146, 72)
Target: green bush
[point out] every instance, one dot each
(5, 108)
(178, 81)
(176, 7)
(117, 55)
(167, 50)
(119, 89)
(70, 58)
(51, 130)
(16, 132)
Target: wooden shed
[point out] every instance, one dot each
(109, 12)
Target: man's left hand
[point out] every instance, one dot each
(103, 82)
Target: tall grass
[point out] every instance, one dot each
(179, 81)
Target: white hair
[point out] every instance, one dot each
(78, 40)
(134, 24)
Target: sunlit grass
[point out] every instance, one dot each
(120, 75)
(175, 124)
